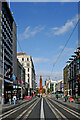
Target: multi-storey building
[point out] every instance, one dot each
(74, 74)
(7, 49)
(30, 82)
(21, 91)
(50, 85)
(66, 80)
(59, 86)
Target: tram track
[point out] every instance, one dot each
(69, 113)
(16, 111)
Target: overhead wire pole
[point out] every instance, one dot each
(79, 24)
(3, 79)
(65, 45)
(9, 3)
(78, 48)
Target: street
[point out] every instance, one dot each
(41, 108)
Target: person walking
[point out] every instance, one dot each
(18, 98)
(14, 99)
(57, 97)
(65, 98)
(10, 99)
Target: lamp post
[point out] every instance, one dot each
(3, 80)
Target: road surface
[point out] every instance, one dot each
(41, 108)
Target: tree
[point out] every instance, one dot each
(49, 90)
(43, 90)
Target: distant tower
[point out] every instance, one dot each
(40, 82)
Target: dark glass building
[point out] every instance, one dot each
(8, 47)
(73, 71)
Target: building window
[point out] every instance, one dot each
(28, 80)
(28, 69)
(22, 59)
(28, 85)
(27, 59)
(28, 64)
(28, 75)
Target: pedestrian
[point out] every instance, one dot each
(65, 98)
(14, 99)
(10, 99)
(57, 97)
(18, 98)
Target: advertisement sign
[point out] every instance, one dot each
(61, 85)
(15, 86)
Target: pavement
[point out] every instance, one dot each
(71, 104)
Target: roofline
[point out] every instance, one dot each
(8, 9)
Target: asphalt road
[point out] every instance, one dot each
(41, 108)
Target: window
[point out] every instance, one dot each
(22, 59)
(28, 69)
(27, 64)
(28, 75)
(28, 85)
(27, 59)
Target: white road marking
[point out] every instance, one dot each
(42, 110)
(14, 110)
(67, 109)
(29, 111)
(57, 111)
(57, 116)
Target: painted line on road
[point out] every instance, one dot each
(67, 109)
(26, 116)
(42, 111)
(57, 113)
(57, 116)
(30, 107)
(14, 110)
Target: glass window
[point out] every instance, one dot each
(22, 59)
(27, 64)
(28, 69)
(28, 75)
(28, 80)
(27, 59)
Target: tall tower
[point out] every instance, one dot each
(40, 83)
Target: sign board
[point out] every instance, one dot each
(15, 86)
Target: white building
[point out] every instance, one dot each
(27, 63)
(59, 86)
(50, 85)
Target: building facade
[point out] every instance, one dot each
(50, 85)
(30, 81)
(66, 80)
(8, 46)
(21, 91)
(59, 86)
(74, 75)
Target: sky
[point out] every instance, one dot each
(42, 31)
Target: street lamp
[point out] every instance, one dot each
(3, 79)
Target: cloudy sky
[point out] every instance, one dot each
(43, 29)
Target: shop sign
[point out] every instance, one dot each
(14, 86)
